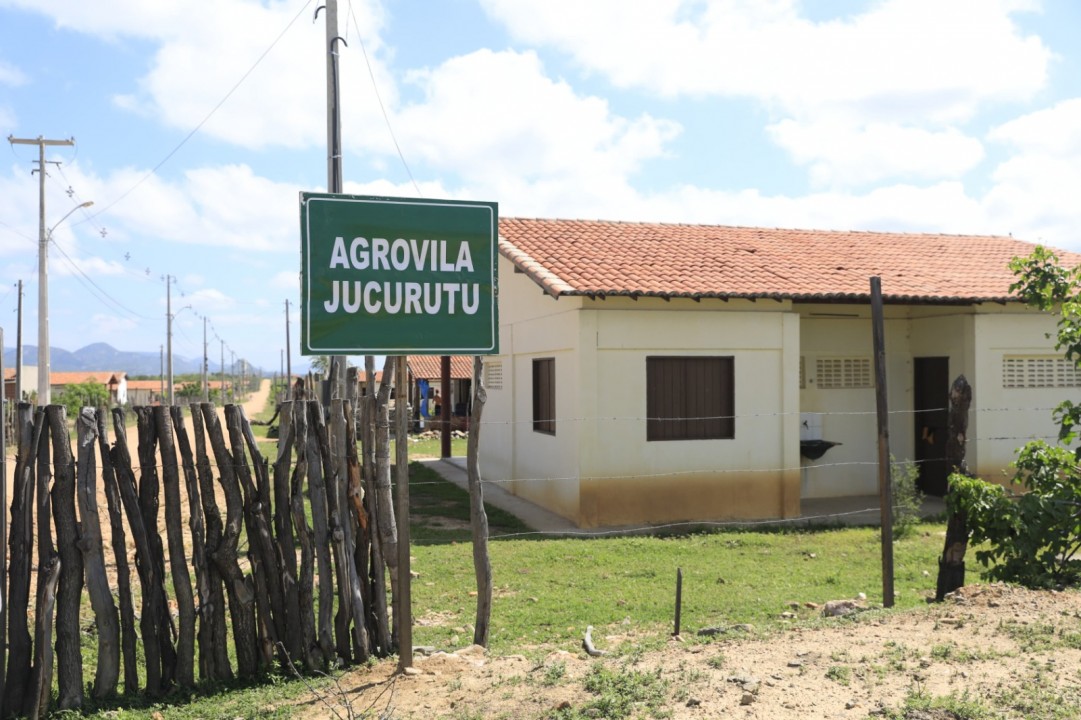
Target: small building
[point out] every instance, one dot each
(427, 375)
(115, 381)
(29, 382)
(655, 373)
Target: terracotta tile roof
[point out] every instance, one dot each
(599, 258)
(143, 385)
(81, 376)
(426, 367)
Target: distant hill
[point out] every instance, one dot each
(102, 356)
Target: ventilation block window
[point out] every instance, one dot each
(1039, 371)
(493, 375)
(843, 373)
(690, 398)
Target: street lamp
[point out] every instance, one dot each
(43, 302)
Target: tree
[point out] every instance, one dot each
(1034, 538)
(85, 394)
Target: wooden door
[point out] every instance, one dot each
(931, 403)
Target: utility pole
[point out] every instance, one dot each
(288, 357)
(334, 150)
(222, 367)
(161, 372)
(232, 376)
(44, 395)
(19, 348)
(206, 367)
(169, 333)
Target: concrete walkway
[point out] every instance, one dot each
(855, 510)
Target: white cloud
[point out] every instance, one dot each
(11, 75)
(199, 61)
(1054, 131)
(845, 155)
(534, 128)
(286, 280)
(915, 58)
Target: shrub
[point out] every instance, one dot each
(1032, 539)
(907, 498)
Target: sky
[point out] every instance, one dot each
(197, 125)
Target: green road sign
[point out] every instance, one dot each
(390, 276)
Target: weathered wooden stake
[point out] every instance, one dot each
(240, 589)
(885, 486)
(283, 531)
(42, 671)
(951, 566)
(214, 612)
(404, 607)
(21, 546)
(317, 491)
(482, 566)
(178, 562)
(120, 554)
(106, 620)
(43, 633)
(679, 600)
(69, 659)
(312, 655)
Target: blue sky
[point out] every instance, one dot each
(906, 115)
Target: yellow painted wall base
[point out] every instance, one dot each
(610, 502)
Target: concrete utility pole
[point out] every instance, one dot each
(169, 333)
(206, 367)
(161, 371)
(222, 368)
(288, 357)
(44, 396)
(19, 349)
(334, 149)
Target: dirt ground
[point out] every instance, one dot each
(1014, 650)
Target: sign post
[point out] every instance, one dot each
(394, 276)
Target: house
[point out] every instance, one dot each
(116, 382)
(29, 384)
(427, 375)
(653, 373)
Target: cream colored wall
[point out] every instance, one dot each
(1007, 418)
(537, 466)
(849, 414)
(627, 480)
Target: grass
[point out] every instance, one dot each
(547, 591)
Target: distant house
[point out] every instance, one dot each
(145, 392)
(653, 373)
(29, 385)
(116, 382)
(426, 372)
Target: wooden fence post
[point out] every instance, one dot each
(370, 546)
(313, 656)
(388, 528)
(178, 561)
(149, 493)
(283, 532)
(241, 593)
(42, 671)
(106, 621)
(351, 517)
(317, 491)
(951, 566)
(150, 623)
(207, 670)
(215, 612)
(120, 553)
(482, 566)
(21, 546)
(69, 659)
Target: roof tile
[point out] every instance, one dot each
(596, 257)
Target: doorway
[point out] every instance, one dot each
(931, 388)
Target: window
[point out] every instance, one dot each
(844, 373)
(493, 375)
(1039, 371)
(544, 395)
(690, 398)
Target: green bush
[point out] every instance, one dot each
(907, 498)
(76, 396)
(1032, 538)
